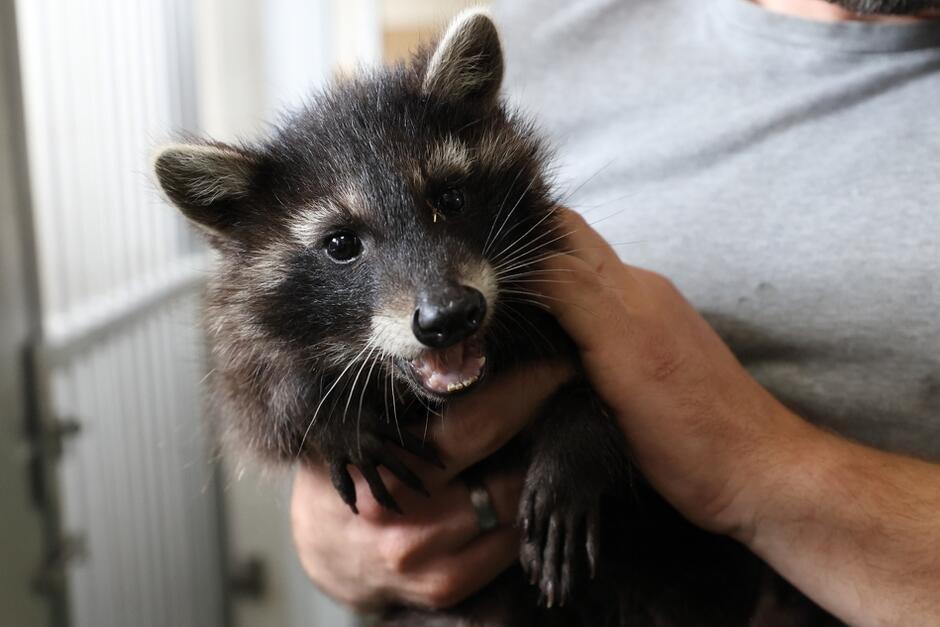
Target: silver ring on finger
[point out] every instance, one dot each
(482, 504)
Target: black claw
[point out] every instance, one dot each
(592, 543)
(568, 561)
(526, 516)
(379, 490)
(528, 554)
(540, 516)
(430, 455)
(565, 590)
(531, 518)
(342, 481)
(417, 447)
(535, 563)
(403, 473)
(550, 560)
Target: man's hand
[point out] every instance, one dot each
(854, 528)
(693, 416)
(433, 555)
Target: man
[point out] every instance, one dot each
(778, 161)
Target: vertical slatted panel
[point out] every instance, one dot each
(103, 82)
(138, 481)
(163, 439)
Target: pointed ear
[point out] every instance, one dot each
(206, 180)
(468, 60)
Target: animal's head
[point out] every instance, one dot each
(386, 222)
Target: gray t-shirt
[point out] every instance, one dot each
(785, 174)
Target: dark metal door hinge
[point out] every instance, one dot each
(58, 432)
(50, 580)
(248, 578)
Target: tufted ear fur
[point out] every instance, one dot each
(205, 181)
(468, 60)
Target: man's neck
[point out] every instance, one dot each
(826, 12)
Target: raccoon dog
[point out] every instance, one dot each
(376, 256)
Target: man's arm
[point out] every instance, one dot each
(856, 529)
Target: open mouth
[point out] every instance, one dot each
(449, 370)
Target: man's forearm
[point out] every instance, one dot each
(856, 529)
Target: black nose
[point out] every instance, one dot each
(447, 315)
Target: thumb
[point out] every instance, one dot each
(587, 293)
(609, 310)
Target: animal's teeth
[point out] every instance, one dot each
(456, 387)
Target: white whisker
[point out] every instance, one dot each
(356, 380)
(395, 407)
(541, 246)
(511, 211)
(548, 215)
(365, 386)
(486, 243)
(325, 396)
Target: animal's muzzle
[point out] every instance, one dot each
(447, 315)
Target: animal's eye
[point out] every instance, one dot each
(450, 201)
(343, 246)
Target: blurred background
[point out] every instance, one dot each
(114, 508)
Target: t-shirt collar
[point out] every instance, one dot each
(852, 37)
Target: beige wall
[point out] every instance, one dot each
(406, 23)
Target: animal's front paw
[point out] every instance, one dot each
(560, 536)
(367, 450)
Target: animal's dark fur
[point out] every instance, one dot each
(291, 331)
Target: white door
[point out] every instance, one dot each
(132, 531)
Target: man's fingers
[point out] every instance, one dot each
(504, 490)
(585, 243)
(596, 280)
(452, 578)
(433, 555)
(479, 424)
(588, 305)
(448, 522)
(604, 306)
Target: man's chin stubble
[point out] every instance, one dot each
(929, 8)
